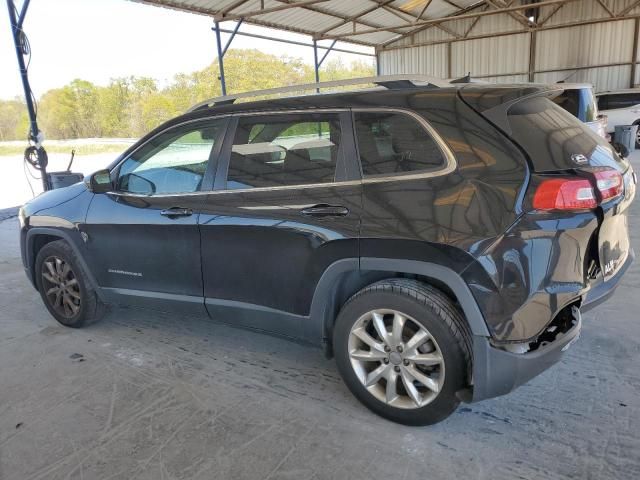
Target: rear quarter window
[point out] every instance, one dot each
(393, 143)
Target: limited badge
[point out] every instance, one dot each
(579, 158)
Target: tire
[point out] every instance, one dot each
(56, 265)
(449, 343)
(637, 122)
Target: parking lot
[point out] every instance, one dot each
(145, 395)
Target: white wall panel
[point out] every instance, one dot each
(607, 78)
(491, 55)
(586, 45)
(564, 48)
(431, 60)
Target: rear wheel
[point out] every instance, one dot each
(637, 134)
(64, 286)
(403, 350)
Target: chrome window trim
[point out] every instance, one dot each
(450, 161)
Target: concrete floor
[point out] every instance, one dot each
(143, 395)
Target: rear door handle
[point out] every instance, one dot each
(174, 212)
(325, 210)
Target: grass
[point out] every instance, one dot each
(85, 149)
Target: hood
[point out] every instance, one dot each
(53, 198)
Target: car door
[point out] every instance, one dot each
(286, 205)
(142, 238)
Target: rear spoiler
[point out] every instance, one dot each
(494, 103)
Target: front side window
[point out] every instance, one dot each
(173, 162)
(393, 143)
(284, 150)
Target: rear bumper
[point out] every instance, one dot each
(602, 290)
(497, 372)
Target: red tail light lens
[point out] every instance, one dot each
(564, 194)
(609, 183)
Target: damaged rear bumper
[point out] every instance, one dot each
(497, 372)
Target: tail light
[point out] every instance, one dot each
(609, 183)
(564, 194)
(571, 193)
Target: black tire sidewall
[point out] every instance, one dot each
(455, 369)
(87, 297)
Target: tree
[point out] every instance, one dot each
(14, 122)
(130, 107)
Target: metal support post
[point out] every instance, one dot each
(223, 83)
(18, 41)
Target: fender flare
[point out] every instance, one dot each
(322, 319)
(63, 235)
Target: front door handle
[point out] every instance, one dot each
(325, 210)
(175, 212)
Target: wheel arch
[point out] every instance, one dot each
(38, 237)
(344, 278)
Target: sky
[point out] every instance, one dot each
(101, 39)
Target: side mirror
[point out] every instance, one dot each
(100, 182)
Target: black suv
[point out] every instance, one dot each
(439, 242)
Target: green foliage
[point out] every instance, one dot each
(14, 122)
(130, 107)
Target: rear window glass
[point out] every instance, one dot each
(394, 143)
(580, 103)
(550, 135)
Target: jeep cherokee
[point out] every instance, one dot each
(439, 242)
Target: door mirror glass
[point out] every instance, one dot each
(100, 181)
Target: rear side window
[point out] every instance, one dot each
(393, 143)
(283, 150)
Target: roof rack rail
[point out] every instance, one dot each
(387, 81)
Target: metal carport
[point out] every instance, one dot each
(592, 41)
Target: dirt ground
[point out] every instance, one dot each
(143, 395)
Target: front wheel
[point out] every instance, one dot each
(403, 349)
(64, 286)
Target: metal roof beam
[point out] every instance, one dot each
(233, 6)
(294, 42)
(437, 21)
(605, 8)
(355, 17)
(517, 16)
(516, 32)
(264, 11)
(452, 17)
(628, 9)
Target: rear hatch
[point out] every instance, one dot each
(560, 149)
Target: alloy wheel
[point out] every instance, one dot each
(396, 359)
(60, 286)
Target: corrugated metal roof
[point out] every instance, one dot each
(368, 22)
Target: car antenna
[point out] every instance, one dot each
(73, 154)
